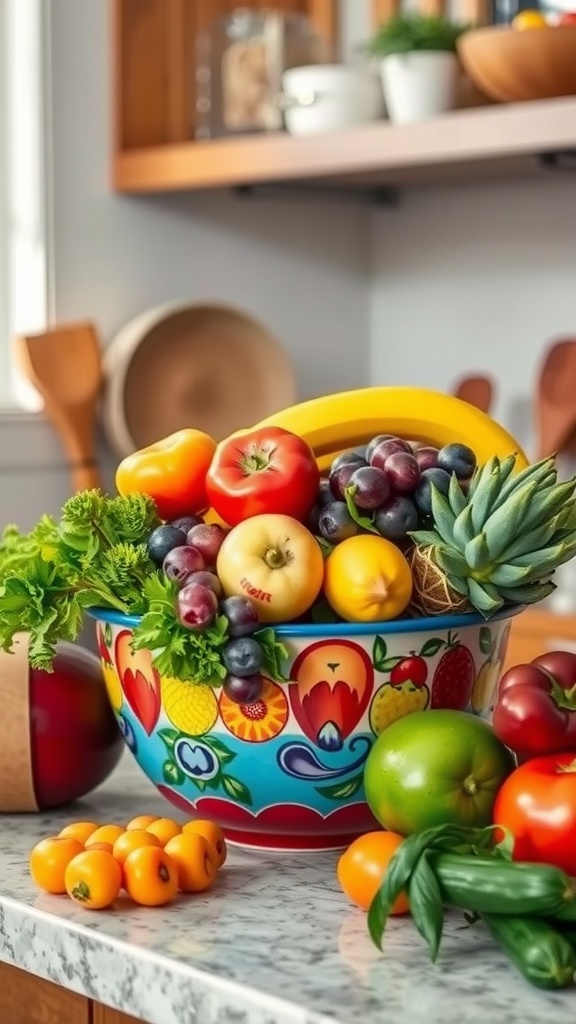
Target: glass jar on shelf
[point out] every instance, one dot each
(240, 60)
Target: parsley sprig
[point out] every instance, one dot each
(96, 556)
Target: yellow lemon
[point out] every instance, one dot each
(367, 579)
(191, 707)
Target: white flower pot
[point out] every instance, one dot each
(419, 85)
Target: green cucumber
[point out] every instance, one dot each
(497, 886)
(543, 955)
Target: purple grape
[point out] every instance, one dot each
(241, 613)
(243, 657)
(336, 524)
(186, 523)
(458, 459)
(204, 578)
(397, 518)
(162, 540)
(427, 457)
(244, 690)
(423, 493)
(207, 538)
(374, 444)
(350, 458)
(196, 606)
(403, 472)
(181, 562)
(371, 487)
(385, 449)
(340, 479)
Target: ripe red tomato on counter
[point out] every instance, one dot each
(172, 472)
(537, 802)
(269, 470)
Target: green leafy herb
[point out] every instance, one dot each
(275, 654)
(94, 556)
(405, 33)
(176, 651)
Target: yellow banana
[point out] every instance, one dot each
(333, 423)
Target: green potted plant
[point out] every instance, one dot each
(418, 64)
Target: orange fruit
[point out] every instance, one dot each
(362, 867)
(133, 840)
(212, 833)
(150, 876)
(164, 829)
(367, 579)
(80, 830)
(107, 847)
(104, 834)
(195, 860)
(93, 879)
(49, 860)
(141, 822)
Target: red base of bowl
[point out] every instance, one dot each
(289, 843)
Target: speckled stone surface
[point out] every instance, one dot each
(275, 942)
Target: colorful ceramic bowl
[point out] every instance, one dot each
(286, 772)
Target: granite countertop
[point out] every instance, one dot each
(274, 942)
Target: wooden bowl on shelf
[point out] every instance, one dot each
(510, 65)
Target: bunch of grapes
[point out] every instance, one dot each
(386, 487)
(186, 550)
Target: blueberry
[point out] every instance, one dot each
(397, 518)
(335, 523)
(241, 613)
(423, 493)
(243, 657)
(162, 540)
(458, 459)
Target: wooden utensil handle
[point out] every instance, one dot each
(85, 475)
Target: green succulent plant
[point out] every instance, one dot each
(405, 33)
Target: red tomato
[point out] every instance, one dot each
(269, 470)
(172, 472)
(568, 19)
(537, 802)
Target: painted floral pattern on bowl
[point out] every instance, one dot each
(286, 772)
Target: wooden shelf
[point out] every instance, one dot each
(472, 143)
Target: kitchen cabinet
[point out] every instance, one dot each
(154, 148)
(27, 999)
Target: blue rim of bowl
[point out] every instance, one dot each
(429, 624)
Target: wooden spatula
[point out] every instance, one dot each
(64, 365)
(556, 399)
(476, 391)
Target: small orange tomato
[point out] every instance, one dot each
(80, 830)
(107, 847)
(362, 867)
(133, 840)
(49, 860)
(164, 829)
(213, 833)
(150, 876)
(104, 834)
(141, 822)
(93, 879)
(195, 859)
(172, 472)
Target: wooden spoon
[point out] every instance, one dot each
(476, 391)
(556, 399)
(64, 365)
